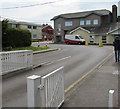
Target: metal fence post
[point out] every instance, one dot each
(33, 94)
(111, 99)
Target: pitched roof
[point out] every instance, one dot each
(23, 23)
(114, 27)
(100, 30)
(83, 14)
(78, 29)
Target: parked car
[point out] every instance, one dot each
(74, 39)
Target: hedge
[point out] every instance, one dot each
(15, 37)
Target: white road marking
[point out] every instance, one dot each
(58, 60)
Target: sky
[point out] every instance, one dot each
(41, 11)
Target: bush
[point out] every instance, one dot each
(15, 37)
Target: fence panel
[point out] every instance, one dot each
(15, 60)
(51, 89)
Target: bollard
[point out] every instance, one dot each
(100, 44)
(111, 99)
(86, 43)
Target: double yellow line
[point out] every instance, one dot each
(86, 74)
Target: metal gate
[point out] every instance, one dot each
(46, 91)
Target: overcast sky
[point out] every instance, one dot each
(41, 11)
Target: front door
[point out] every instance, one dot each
(58, 39)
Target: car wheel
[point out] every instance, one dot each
(79, 43)
(67, 43)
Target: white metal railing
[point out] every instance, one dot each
(46, 91)
(15, 60)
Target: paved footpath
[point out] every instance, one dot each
(93, 91)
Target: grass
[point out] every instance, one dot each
(31, 48)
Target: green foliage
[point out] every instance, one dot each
(32, 48)
(14, 37)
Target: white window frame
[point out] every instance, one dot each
(82, 22)
(88, 22)
(68, 23)
(95, 21)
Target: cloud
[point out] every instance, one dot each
(43, 13)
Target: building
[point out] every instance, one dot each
(96, 25)
(35, 29)
(47, 32)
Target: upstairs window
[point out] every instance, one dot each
(88, 22)
(29, 26)
(69, 23)
(34, 27)
(95, 22)
(82, 22)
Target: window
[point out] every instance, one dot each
(91, 39)
(88, 22)
(68, 23)
(34, 36)
(34, 27)
(59, 27)
(76, 37)
(82, 22)
(95, 22)
(29, 26)
(14, 25)
(104, 39)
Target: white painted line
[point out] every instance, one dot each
(58, 60)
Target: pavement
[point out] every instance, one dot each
(93, 90)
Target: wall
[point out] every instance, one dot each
(37, 31)
(109, 39)
(82, 33)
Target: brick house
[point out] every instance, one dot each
(47, 32)
(94, 24)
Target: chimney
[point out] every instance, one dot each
(114, 13)
(118, 14)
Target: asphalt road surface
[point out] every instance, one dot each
(76, 59)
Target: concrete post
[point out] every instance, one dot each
(33, 94)
(111, 99)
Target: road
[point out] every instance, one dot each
(76, 59)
